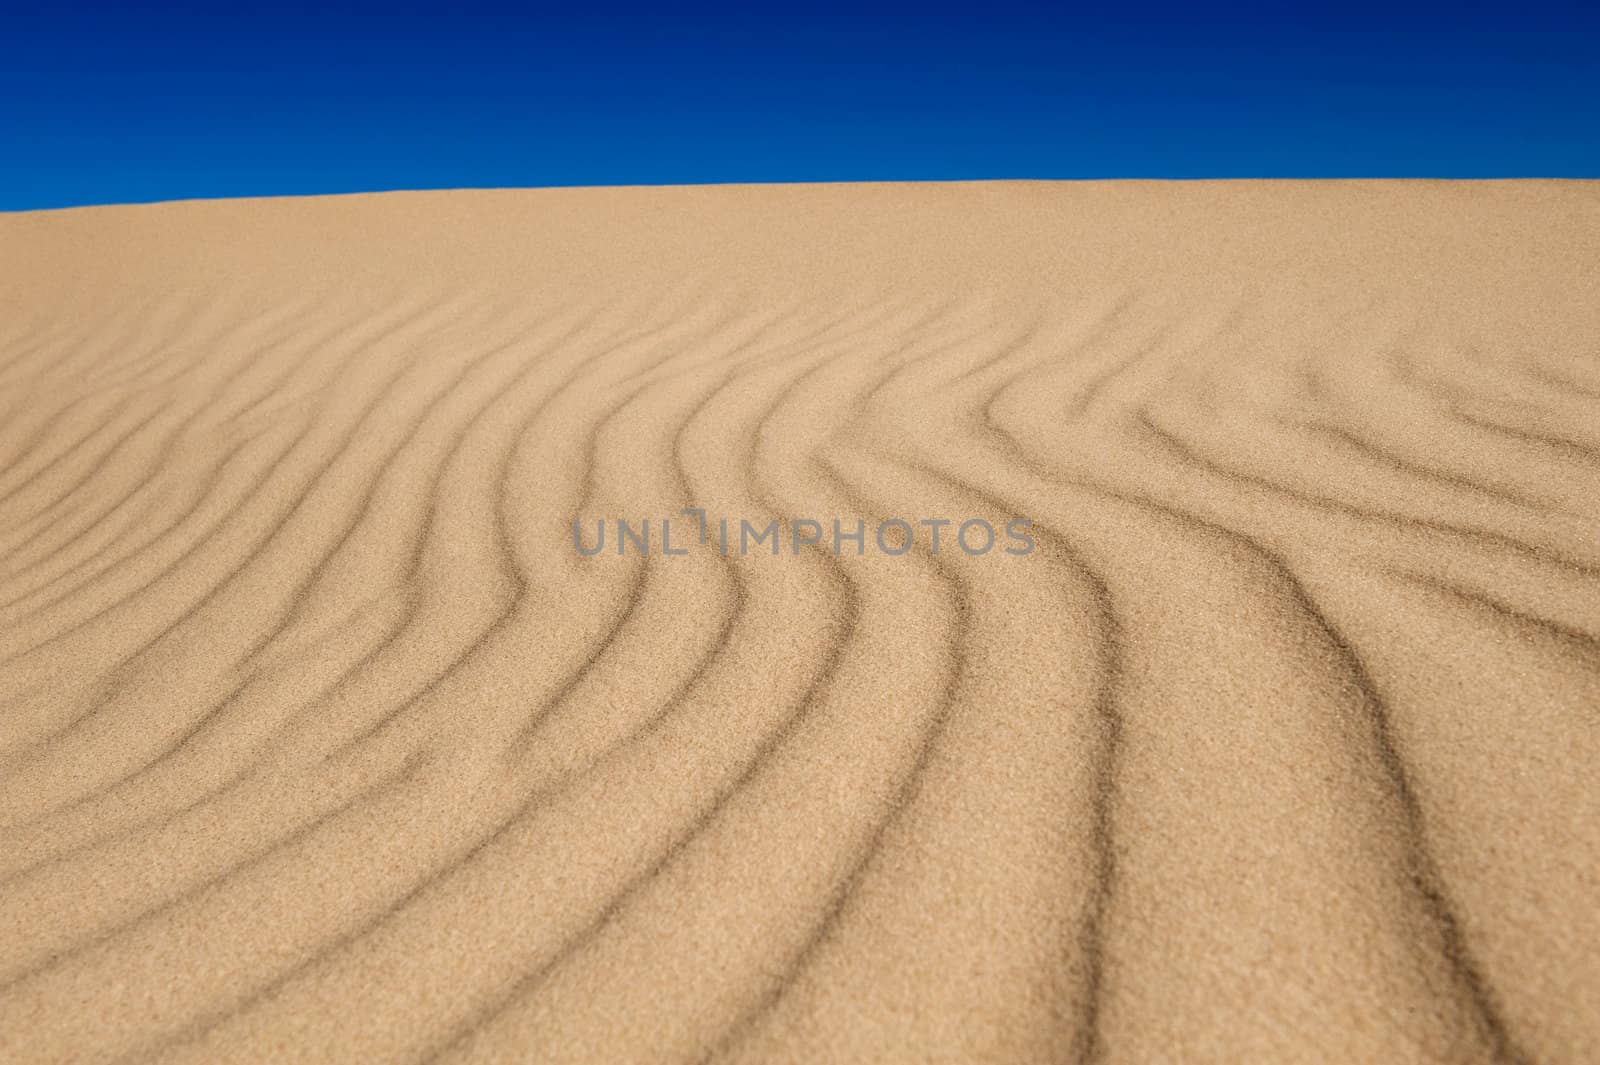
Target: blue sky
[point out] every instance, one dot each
(110, 104)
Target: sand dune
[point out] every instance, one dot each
(320, 741)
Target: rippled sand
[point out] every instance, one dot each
(320, 742)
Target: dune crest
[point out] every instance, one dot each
(322, 740)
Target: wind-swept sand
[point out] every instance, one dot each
(319, 741)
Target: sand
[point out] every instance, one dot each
(319, 741)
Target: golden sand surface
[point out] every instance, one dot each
(321, 742)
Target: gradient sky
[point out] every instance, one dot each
(104, 104)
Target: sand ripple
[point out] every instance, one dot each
(320, 742)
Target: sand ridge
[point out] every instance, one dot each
(320, 742)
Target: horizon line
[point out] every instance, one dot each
(760, 182)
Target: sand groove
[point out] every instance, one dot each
(320, 741)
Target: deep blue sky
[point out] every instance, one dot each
(103, 104)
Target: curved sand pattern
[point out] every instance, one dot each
(321, 743)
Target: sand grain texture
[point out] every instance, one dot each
(319, 741)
